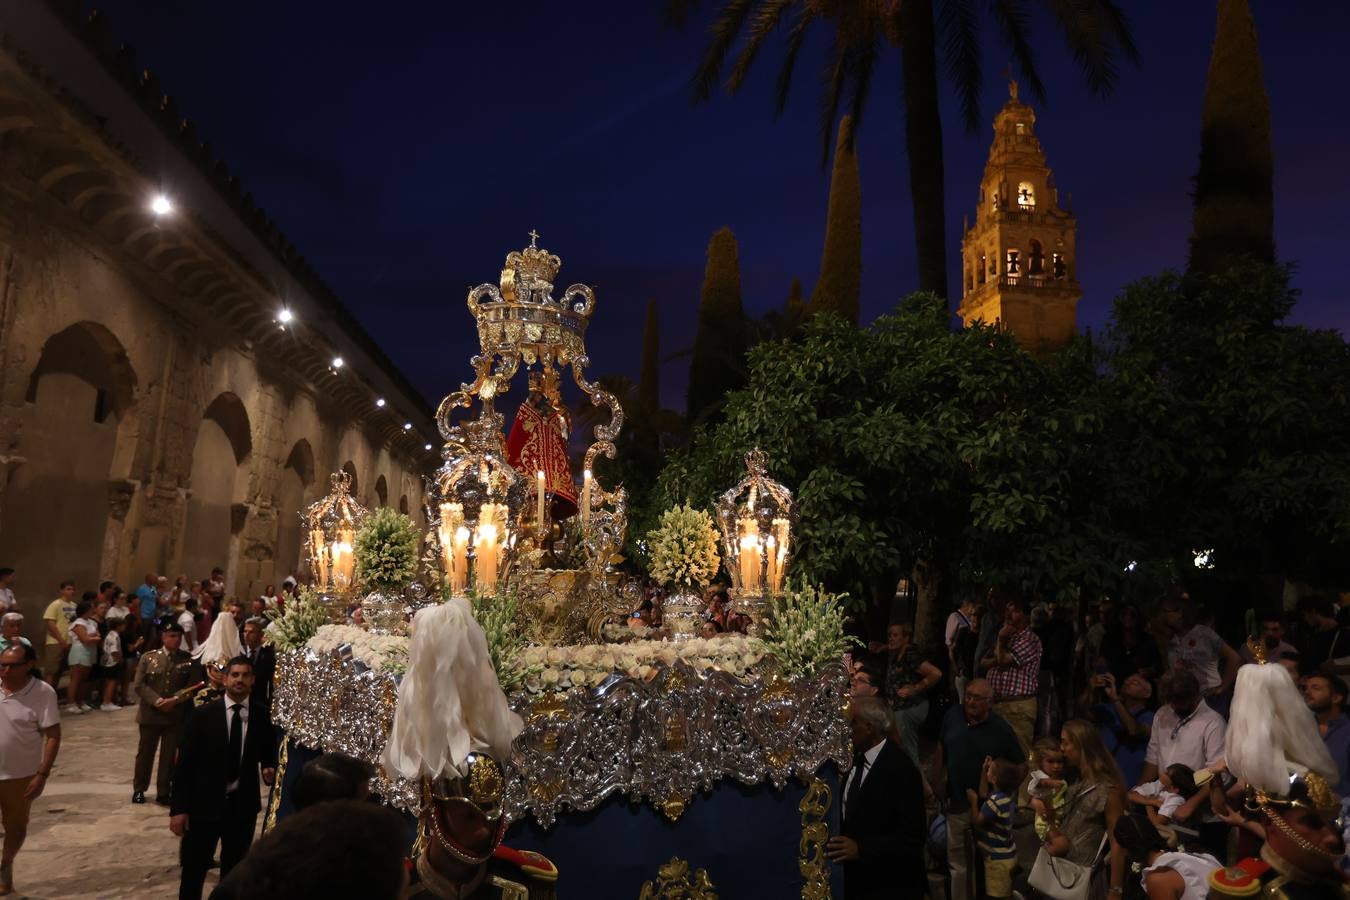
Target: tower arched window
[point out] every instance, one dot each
(1058, 267)
(1036, 259)
(980, 269)
(1014, 262)
(1026, 195)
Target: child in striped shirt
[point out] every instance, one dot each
(991, 812)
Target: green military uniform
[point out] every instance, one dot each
(160, 673)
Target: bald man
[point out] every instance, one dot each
(971, 733)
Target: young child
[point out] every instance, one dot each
(1046, 787)
(114, 665)
(991, 812)
(1162, 798)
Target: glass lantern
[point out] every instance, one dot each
(476, 504)
(756, 518)
(330, 528)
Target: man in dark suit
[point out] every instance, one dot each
(883, 826)
(264, 659)
(215, 784)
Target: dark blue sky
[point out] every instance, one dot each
(406, 148)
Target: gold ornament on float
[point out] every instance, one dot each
(330, 535)
(756, 518)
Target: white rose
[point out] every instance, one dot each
(550, 676)
(585, 656)
(555, 655)
(667, 655)
(580, 677)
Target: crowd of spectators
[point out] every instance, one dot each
(1093, 736)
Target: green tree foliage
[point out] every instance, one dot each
(857, 36)
(717, 363)
(1234, 188)
(1202, 422)
(1237, 426)
(839, 287)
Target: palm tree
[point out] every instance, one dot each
(1095, 30)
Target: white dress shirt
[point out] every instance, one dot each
(243, 729)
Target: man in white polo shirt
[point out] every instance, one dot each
(30, 735)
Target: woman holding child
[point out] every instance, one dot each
(1095, 801)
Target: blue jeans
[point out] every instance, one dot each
(909, 720)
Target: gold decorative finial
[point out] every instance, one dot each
(534, 238)
(1258, 650)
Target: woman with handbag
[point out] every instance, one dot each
(1096, 799)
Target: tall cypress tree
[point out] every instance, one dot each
(1234, 187)
(840, 284)
(718, 361)
(794, 310)
(649, 381)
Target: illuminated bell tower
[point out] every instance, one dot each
(1018, 261)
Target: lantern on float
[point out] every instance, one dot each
(756, 519)
(330, 533)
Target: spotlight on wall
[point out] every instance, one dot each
(407, 426)
(426, 446)
(337, 362)
(285, 317)
(160, 205)
(380, 403)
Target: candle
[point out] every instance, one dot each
(343, 563)
(486, 549)
(771, 550)
(585, 496)
(459, 577)
(444, 536)
(539, 477)
(749, 557)
(780, 527)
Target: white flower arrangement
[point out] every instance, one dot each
(497, 616)
(559, 669)
(805, 630)
(303, 617)
(683, 550)
(382, 652)
(386, 551)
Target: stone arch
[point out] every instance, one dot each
(217, 480)
(403, 504)
(1036, 258)
(80, 406)
(350, 468)
(381, 491)
(294, 487)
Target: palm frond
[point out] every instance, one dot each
(723, 34)
(794, 46)
(1092, 40)
(1117, 24)
(865, 59)
(1014, 21)
(836, 78)
(764, 22)
(959, 28)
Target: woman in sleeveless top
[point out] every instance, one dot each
(1168, 874)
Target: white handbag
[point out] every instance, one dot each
(1060, 878)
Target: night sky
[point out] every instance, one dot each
(406, 148)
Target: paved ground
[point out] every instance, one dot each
(86, 838)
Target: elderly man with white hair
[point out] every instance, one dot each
(11, 630)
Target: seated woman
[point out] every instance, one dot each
(1165, 875)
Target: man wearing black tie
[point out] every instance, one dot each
(883, 827)
(215, 784)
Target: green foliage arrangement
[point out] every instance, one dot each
(302, 618)
(497, 616)
(386, 551)
(805, 630)
(683, 549)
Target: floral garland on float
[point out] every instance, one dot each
(683, 553)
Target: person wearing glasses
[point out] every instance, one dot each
(30, 736)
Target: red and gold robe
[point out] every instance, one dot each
(537, 443)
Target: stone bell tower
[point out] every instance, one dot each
(1018, 261)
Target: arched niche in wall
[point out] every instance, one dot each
(80, 406)
(219, 456)
(295, 490)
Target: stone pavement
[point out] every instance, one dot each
(86, 838)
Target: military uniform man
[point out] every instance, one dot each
(160, 676)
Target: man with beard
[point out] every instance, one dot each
(1325, 695)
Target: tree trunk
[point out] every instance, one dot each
(923, 143)
(928, 583)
